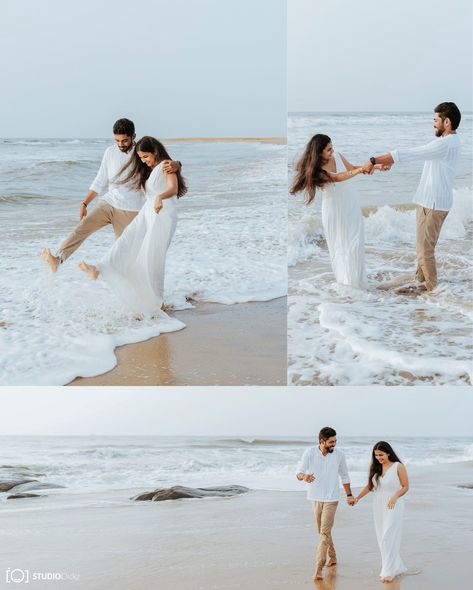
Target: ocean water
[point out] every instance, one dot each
(104, 464)
(340, 336)
(229, 247)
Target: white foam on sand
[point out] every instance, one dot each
(229, 247)
(345, 336)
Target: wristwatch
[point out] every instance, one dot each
(373, 160)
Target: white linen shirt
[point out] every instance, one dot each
(120, 196)
(328, 470)
(435, 190)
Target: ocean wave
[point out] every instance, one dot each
(385, 225)
(229, 250)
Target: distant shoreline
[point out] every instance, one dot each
(274, 140)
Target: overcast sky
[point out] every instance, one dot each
(180, 68)
(384, 56)
(244, 411)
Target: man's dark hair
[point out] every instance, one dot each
(326, 433)
(449, 110)
(124, 127)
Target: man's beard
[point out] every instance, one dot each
(331, 449)
(439, 132)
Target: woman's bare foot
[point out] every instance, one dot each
(52, 261)
(90, 269)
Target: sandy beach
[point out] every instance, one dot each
(242, 344)
(262, 540)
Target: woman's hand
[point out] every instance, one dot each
(367, 168)
(158, 204)
(392, 502)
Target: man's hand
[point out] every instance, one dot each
(171, 167)
(309, 477)
(83, 211)
(382, 167)
(351, 501)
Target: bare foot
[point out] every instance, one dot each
(318, 575)
(399, 282)
(332, 562)
(90, 269)
(412, 290)
(52, 261)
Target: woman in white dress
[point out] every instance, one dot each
(134, 265)
(389, 481)
(342, 218)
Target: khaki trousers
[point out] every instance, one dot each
(101, 215)
(324, 516)
(429, 224)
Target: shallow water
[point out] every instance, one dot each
(340, 336)
(229, 247)
(101, 464)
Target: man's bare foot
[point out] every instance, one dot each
(331, 562)
(412, 290)
(399, 282)
(90, 269)
(318, 575)
(52, 261)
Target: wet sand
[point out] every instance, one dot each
(263, 540)
(242, 344)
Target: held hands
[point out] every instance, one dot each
(370, 169)
(351, 501)
(158, 204)
(309, 478)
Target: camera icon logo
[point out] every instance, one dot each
(17, 576)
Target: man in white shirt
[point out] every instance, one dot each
(434, 195)
(322, 467)
(119, 204)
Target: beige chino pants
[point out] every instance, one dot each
(429, 224)
(101, 215)
(324, 516)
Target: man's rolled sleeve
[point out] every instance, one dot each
(343, 471)
(435, 150)
(100, 182)
(303, 463)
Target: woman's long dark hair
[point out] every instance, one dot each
(376, 469)
(309, 173)
(137, 172)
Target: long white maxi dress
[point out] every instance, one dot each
(135, 264)
(388, 523)
(342, 220)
